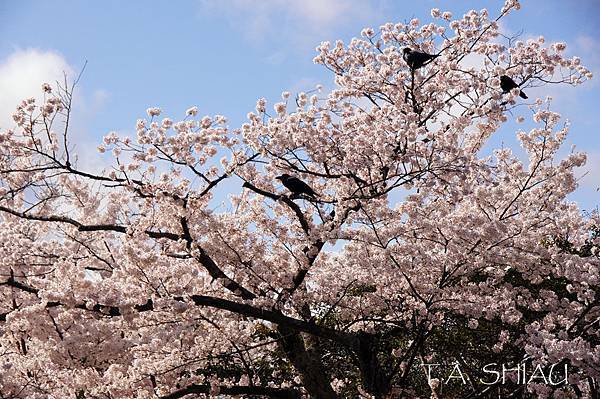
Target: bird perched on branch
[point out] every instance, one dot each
(416, 59)
(507, 84)
(296, 186)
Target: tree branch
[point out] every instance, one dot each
(194, 389)
(243, 309)
(291, 204)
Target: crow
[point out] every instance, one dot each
(416, 59)
(296, 186)
(507, 84)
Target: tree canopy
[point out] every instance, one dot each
(397, 242)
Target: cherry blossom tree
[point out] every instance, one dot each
(186, 269)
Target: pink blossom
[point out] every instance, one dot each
(367, 32)
(406, 232)
(193, 111)
(153, 112)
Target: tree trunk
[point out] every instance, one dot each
(307, 362)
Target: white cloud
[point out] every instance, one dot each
(21, 76)
(306, 21)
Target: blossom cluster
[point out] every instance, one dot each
(185, 268)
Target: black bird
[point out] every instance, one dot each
(416, 59)
(507, 84)
(296, 186)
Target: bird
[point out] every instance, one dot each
(416, 59)
(296, 186)
(507, 84)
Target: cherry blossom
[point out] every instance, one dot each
(185, 268)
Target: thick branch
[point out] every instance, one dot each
(307, 362)
(206, 261)
(213, 269)
(274, 317)
(279, 393)
(291, 204)
(212, 302)
(83, 227)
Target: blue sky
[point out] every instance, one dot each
(222, 55)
